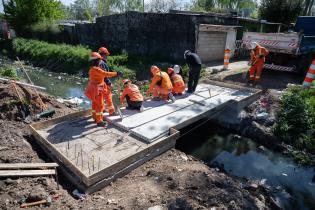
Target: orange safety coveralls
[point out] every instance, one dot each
(97, 90)
(257, 59)
(178, 83)
(133, 92)
(160, 90)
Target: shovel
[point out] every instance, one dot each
(117, 106)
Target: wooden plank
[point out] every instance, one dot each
(47, 123)
(18, 173)
(27, 165)
(58, 154)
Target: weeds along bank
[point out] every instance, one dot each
(59, 57)
(296, 122)
(75, 59)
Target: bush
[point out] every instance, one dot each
(296, 120)
(8, 72)
(57, 57)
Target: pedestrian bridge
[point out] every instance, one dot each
(91, 157)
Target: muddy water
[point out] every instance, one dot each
(293, 186)
(61, 85)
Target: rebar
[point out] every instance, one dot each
(81, 157)
(99, 163)
(78, 158)
(93, 162)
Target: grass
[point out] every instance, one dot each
(296, 119)
(75, 59)
(8, 72)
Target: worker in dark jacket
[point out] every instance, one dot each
(194, 63)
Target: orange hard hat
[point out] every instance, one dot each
(154, 69)
(125, 81)
(170, 70)
(95, 55)
(103, 50)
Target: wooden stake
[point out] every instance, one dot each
(209, 92)
(68, 144)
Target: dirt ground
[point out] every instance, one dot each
(270, 79)
(170, 181)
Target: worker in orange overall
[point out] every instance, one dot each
(97, 88)
(257, 60)
(177, 82)
(132, 94)
(109, 96)
(161, 85)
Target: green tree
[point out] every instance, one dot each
(81, 10)
(219, 5)
(307, 6)
(21, 14)
(283, 11)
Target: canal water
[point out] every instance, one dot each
(293, 186)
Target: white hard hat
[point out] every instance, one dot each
(253, 45)
(176, 69)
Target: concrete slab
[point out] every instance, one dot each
(137, 119)
(159, 127)
(93, 156)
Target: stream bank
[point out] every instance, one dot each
(170, 181)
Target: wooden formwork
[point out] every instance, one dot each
(122, 154)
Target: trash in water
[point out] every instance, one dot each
(262, 116)
(284, 174)
(78, 83)
(77, 194)
(59, 77)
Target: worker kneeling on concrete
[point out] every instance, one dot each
(132, 94)
(258, 55)
(177, 82)
(161, 85)
(97, 88)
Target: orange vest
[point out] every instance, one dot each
(133, 92)
(258, 51)
(165, 83)
(178, 81)
(96, 84)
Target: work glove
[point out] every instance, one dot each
(119, 74)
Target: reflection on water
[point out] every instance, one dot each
(292, 185)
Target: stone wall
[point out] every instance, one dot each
(167, 35)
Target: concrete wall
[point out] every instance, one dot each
(166, 35)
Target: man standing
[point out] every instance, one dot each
(103, 65)
(194, 63)
(257, 59)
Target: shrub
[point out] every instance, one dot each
(57, 57)
(296, 119)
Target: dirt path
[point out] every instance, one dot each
(170, 181)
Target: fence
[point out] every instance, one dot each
(241, 50)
